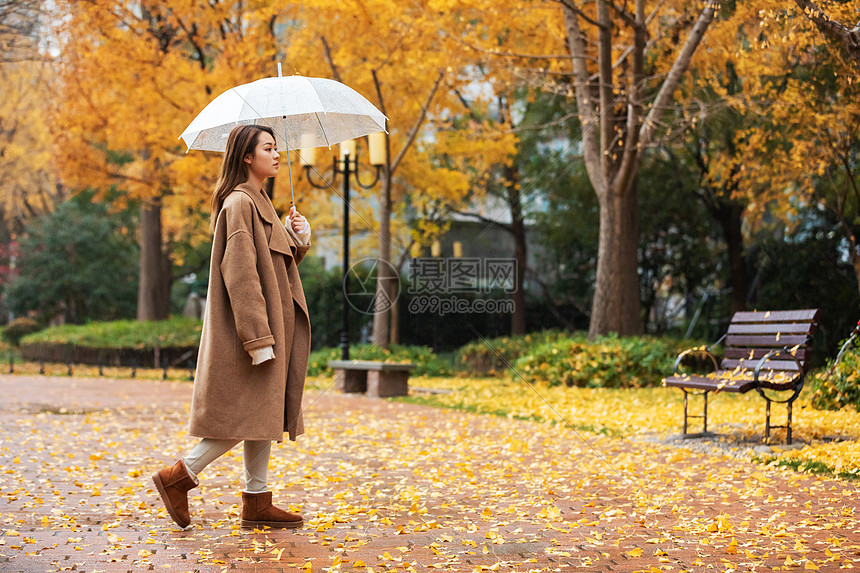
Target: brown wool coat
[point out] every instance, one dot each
(255, 299)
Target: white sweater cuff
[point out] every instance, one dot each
(260, 355)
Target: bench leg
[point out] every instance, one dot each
(704, 415)
(685, 412)
(349, 381)
(767, 423)
(382, 384)
(787, 426)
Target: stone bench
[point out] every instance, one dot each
(377, 379)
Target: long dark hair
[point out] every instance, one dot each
(234, 171)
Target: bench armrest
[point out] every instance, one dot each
(786, 351)
(800, 373)
(697, 350)
(717, 343)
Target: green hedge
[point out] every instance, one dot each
(175, 332)
(839, 387)
(18, 329)
(606, 362)
(495, 355)
(426, 363)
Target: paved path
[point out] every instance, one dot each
(387, 486)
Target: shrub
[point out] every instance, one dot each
(838, 385)
(496, 354)
(426, 363)
(19, 328)
(175, 332)
(80, 261)
(607, 362)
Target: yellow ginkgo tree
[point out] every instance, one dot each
(802, 139)
(132, 75)
(400, 57)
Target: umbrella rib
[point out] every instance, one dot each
(322, 129)
(259, 115)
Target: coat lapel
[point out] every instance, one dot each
(280, 241)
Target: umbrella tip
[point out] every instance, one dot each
(279, 70)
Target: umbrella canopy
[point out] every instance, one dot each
(303, 112)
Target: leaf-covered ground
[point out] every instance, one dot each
(390, 486)
(830, 439)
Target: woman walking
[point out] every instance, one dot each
(256, 334)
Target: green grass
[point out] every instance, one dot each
(807, 466)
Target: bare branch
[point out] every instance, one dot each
(629, 18)
(630, 158)
(679, 67)
(467, 106)
(848, 38)
(572, 7)
(585, 104)
(378, 87)
(606, 88)
(416, 127)
(327, 51)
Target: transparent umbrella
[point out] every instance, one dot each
(304, 112)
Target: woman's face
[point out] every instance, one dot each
(264, 162)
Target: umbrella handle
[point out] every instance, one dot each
(287, 143)
(289, 167)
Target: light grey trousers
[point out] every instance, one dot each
(256, 457)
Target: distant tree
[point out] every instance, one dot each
(807, 268)
(79, 262)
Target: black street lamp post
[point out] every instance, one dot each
(345, 166)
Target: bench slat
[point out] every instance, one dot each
(702, 383)
(772, 328)
(761, 340)
(369, 365)
(788, 385)
(782, 365)
(806, 315)
(803, 353)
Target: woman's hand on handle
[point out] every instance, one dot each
(300, 225)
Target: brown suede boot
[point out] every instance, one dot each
(258, 511)
(173, 485)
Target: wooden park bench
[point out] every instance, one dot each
(377, 379)
(766, 350)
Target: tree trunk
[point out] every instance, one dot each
(394, 332)
(518, 230)
(153, 295)
(616, 305)
(731, 220)
(384, 279)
